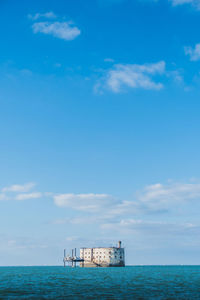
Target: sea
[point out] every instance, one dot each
(134, 282)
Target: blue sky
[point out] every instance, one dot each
(99, 127)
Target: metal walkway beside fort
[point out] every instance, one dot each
(71, 260)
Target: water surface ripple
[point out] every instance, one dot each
(139, 282)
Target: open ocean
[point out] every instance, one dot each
(139, 282)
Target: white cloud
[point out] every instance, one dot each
(19, 188)
(125, 207)
(61, 30)
(159, 196)
(132, 76)
(85, 202)
(130, 226)
(28, 196)
(47, 15)
(194, 53)
(21, 192)
(153, 198)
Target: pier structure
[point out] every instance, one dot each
(73, 259)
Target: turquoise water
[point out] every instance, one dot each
(140, 282)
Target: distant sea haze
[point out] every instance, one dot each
(139, 282)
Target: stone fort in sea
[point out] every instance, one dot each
(98, 257)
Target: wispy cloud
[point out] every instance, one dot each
(195, 3)
(15, 243)
(109, 60)
(194, 53)
(176, 76)
(133, 226)
(47, 15)
(105, 215)
(20, 192)
(27, 196)
(159, 196)
(3, 197)
(85, 202)
(61, 30)
(132, 76)
(152, 198)
(19, 188)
